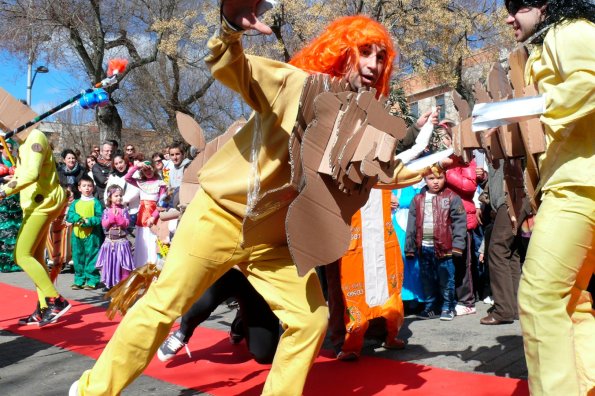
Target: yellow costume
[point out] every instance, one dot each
(208, 241)
(556, 314)
(42, 200)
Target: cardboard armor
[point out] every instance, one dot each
(343, 143)
(519, 143)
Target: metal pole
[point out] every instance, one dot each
(29, 77)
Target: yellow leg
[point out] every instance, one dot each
(556, 317)
(29, 253)
(299, 303)
(205, 246)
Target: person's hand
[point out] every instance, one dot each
(481, 258)
(138, 163)
(478, 215)
(243, 13)
(150, 221)
(480, 173)
(421, 121)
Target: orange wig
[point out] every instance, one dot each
(336, 51)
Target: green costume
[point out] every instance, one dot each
(11, 217)
(42, 199)
(87, 236)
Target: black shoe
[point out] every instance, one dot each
(34, 318)
(57, 306)
(427, 315)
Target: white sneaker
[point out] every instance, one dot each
(488, 300)
(74, 389)
(463, 310)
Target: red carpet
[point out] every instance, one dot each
(221, 369)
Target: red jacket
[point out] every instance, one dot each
(463, 181)
(449, 223)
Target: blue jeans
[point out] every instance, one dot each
(438, 280)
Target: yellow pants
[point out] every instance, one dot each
(556, 314)
(29, 253)
(206, 245)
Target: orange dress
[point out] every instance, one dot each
(372, 273)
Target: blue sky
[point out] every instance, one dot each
(49, 89)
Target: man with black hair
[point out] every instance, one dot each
(556, 315)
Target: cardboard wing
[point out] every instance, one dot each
(193, 134)
(13, 113)
(318, 220)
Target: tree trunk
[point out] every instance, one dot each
(109, 123)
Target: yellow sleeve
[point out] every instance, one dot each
(258, 80)
(31, 157)
(402, 177)
(569, 84)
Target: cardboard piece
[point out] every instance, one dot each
(500, 89)
(512, 142)
(531, 130)
(13, 114)
(363, 136)
(491, 144)
(189, 129)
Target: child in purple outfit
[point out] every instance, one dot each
(115, 256)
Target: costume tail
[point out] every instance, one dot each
(125, 293)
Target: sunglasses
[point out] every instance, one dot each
(513, 7)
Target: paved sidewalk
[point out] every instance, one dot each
(29, 367)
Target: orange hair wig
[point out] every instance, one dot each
(336, 50)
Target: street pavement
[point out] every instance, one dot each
(29, 367)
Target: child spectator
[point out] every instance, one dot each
(58, 243)
(115, 255)
(436, 229)
(131, 198)
(461, 178)
(152, 189)
(85, 214)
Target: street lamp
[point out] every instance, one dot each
(31, 79)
